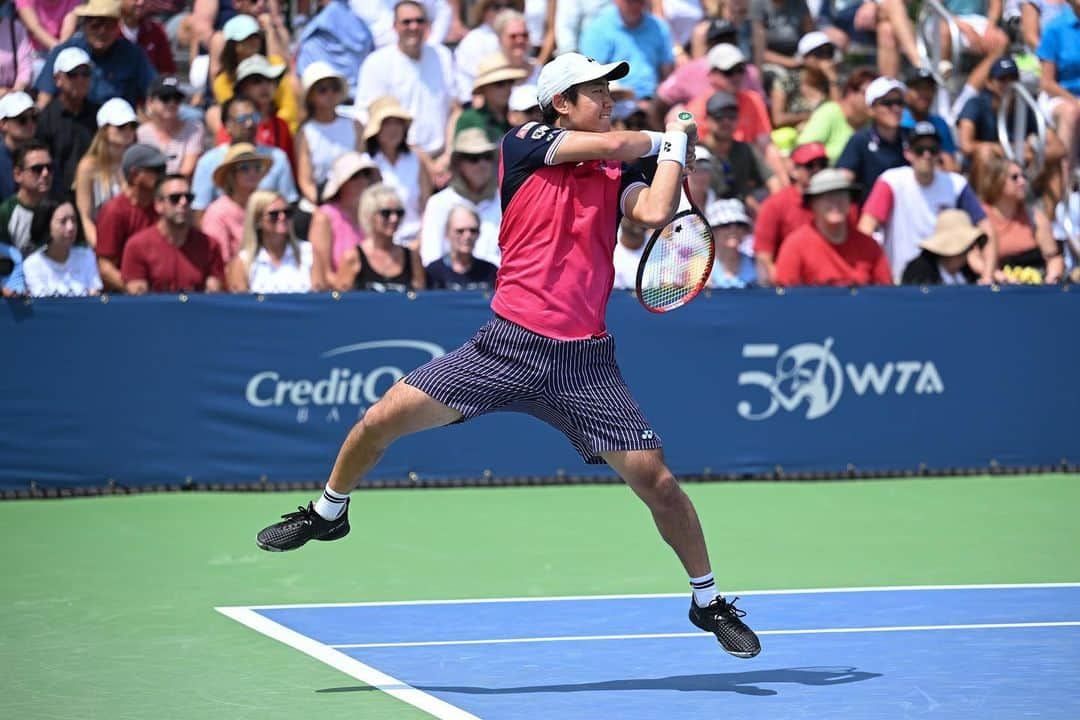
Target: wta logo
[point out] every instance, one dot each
(360, 374)
(810, 376)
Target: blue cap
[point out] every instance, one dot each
(1004, 67)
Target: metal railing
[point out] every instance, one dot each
(930, 14)
(1013, 138)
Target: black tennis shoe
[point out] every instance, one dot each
(297, 528)
(722, 618)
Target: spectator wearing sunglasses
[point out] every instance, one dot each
(18, 121)
(922, 89)
(905, 203)
(33, 167)
(378, 263)
(459, 269)
(68, 122)
(138, 27)
(180, 140)
(473, 184)
(121, 68)
(513, 31)
(129, 212)
(783, 213)
(171, 255)
(880, 146)
(738, 169)
(99, 176)
(238, 176)
(271, 260)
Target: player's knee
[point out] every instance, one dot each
(664, 491)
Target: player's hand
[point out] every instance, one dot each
(684, 122)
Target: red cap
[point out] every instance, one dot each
(808, 153)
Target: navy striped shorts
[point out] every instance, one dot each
(573, 385)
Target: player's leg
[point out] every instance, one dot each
(401, 411)
(677, 520)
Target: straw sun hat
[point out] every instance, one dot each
(343, 169)
(496, 68)
(953, 235)
(239, 153)
(385, 107)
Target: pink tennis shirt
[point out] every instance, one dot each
(557, 235)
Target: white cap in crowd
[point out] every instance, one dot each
(571, 69)
(258, 65)
(116, 112)
(724, 57)
(240, 27)
(14, 104)
(523, 98)
(730, 211)
(811, 41)
(881, 87)
(70, 58)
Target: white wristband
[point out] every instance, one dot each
(673, 147)
(656, 139)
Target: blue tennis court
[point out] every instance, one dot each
(985, 652)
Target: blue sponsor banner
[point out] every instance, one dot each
(231, 389)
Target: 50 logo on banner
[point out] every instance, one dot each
(358, 385)
(810, 374)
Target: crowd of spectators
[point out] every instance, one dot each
(253, 146)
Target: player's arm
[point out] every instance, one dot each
(655, 204)
(581, 146)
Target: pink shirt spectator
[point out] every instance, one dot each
(188, 142)
(692, 80)
(16, 61)
(345, 231)
(223, 221)
(50, 13)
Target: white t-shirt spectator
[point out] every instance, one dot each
(424, 87)
(293, 275)
(908, 211)
(379, 16)
(433, 242)
(326, 142)
(626, 265)
(480, 42)
(404, 176)
(78, 276)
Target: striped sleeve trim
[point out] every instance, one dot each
(622, 198)
(549, 157)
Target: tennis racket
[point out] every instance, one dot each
(677, 260)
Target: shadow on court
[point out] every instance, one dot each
(744, 683)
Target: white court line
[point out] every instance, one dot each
(653, 636)
(354, 668)
(728, 593)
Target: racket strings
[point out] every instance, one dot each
(679, 263)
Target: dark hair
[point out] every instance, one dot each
(169, 178)
(27, 146)
(859, 77)
(40, 232)
(229, 103)
(414, 3)
(550, 114)
(229, 60)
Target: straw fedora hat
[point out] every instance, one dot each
(99, 8)
(496, 68)
(385, 107)
(472, 141)
(343, 170)
(953, 235)
(239, 153)
(827, 181)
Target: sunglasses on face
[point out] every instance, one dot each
(923, 150)
(248, 166)
(737, 70)
(25, 119)
(481, 157)
(99, 23)
(79, 73)
(175, 198)
(408, 22)
(253, 117)
(128, 126)
(170, 98)
(391, 213)
(890, 103)
(155, 170)
(467, 231)
(825, 52)
(278, 215)
(325, 88)
(38, 168)
(816, 166)
(725, 115)
(518, 36)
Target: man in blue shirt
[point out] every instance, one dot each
(120, 67)
(627, 32)
(1059, 52)
(922, 89)
(337, 36)
(880, 146)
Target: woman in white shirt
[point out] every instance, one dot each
(325, 136)
(399, 166)
(63, 265)
(271, 260)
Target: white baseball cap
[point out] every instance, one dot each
(523, 98)
(811, 41)
(14, 104)
(116, 112)
(881, 87)
(725, 57)
(70, 58)
(571, 69)
(240, 27)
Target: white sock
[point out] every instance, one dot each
(704, 589)
(330, 504)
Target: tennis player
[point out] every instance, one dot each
(564, 185)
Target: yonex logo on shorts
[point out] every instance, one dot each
(646, 434)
